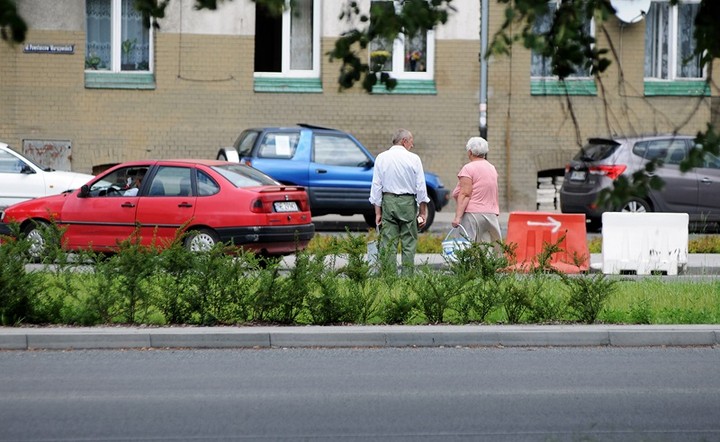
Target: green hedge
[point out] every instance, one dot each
(332, 285)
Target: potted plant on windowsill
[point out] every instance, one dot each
(128, 46)
(378, 60)
(92, 62)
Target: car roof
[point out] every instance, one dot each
(196, 161)
(619, 138)
(296, 127)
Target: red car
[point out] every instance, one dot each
(213, 201)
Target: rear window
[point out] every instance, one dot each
(245, 142)
(243, 176)
(596, 150)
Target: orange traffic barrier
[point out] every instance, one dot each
(532, 232)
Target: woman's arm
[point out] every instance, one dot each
(463, 198)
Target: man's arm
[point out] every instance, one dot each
(423, 215)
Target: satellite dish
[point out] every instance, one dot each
(630, 11)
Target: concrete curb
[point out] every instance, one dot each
(56, 338)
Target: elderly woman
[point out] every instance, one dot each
(476, 195)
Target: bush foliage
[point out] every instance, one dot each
(328, 284)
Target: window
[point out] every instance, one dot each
(669, 42)
(542, 66)
(245, 143)
(117, 40)
(338, 151)
(408, 57)
(670, 151)
(171, 181)
(126, 181)
(10, 163)
(288, 45)
(542, 79)
(206, 185)
(279, 145)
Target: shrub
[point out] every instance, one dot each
(19, 289)
(588, 294)
(517, 294)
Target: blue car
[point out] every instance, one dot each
(332, 165)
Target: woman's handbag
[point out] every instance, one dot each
(450, 246)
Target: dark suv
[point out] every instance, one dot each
(331, 164)
(602, 160)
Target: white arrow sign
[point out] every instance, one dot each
(552, 222)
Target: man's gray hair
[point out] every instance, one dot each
(478, 146)
(399, 135)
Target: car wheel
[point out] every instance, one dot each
(430, 216)
(35, 233)
(594, 225)
(370, 219)
(201, 240)
(635, 205)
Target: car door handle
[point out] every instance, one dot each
(320, 170)
(706, 180)
(184, 205)
(127, 204)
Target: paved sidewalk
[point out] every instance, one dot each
(706, 265)
(62, 338)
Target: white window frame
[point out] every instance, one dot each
(673, 49)
(286, 72)
(398, 55)
(116, 43)
(572, 76)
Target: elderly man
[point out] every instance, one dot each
(398, 189)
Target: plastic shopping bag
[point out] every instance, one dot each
(450, 246)
(372, 249)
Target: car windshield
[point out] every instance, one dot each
(596, 150)
(243, 176)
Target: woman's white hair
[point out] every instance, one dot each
(478, 146)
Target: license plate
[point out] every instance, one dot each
(286, 206)
(577, 175)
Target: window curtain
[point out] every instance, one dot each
(542, 66)
(381, 50)
(98, 50)
(135, 47)
(657, 24)
(301, 35)
(688, 64)
(416, 53)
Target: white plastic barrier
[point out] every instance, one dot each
(644, 243)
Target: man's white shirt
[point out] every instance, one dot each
(400, 172)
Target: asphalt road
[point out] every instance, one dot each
(410, 394)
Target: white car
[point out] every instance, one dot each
(21, 179)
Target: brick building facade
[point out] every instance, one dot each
(201, 89)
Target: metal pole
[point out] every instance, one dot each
(484, 18)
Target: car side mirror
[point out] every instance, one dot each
(84, 191)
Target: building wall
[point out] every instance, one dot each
(204, 97)
(536, 133)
